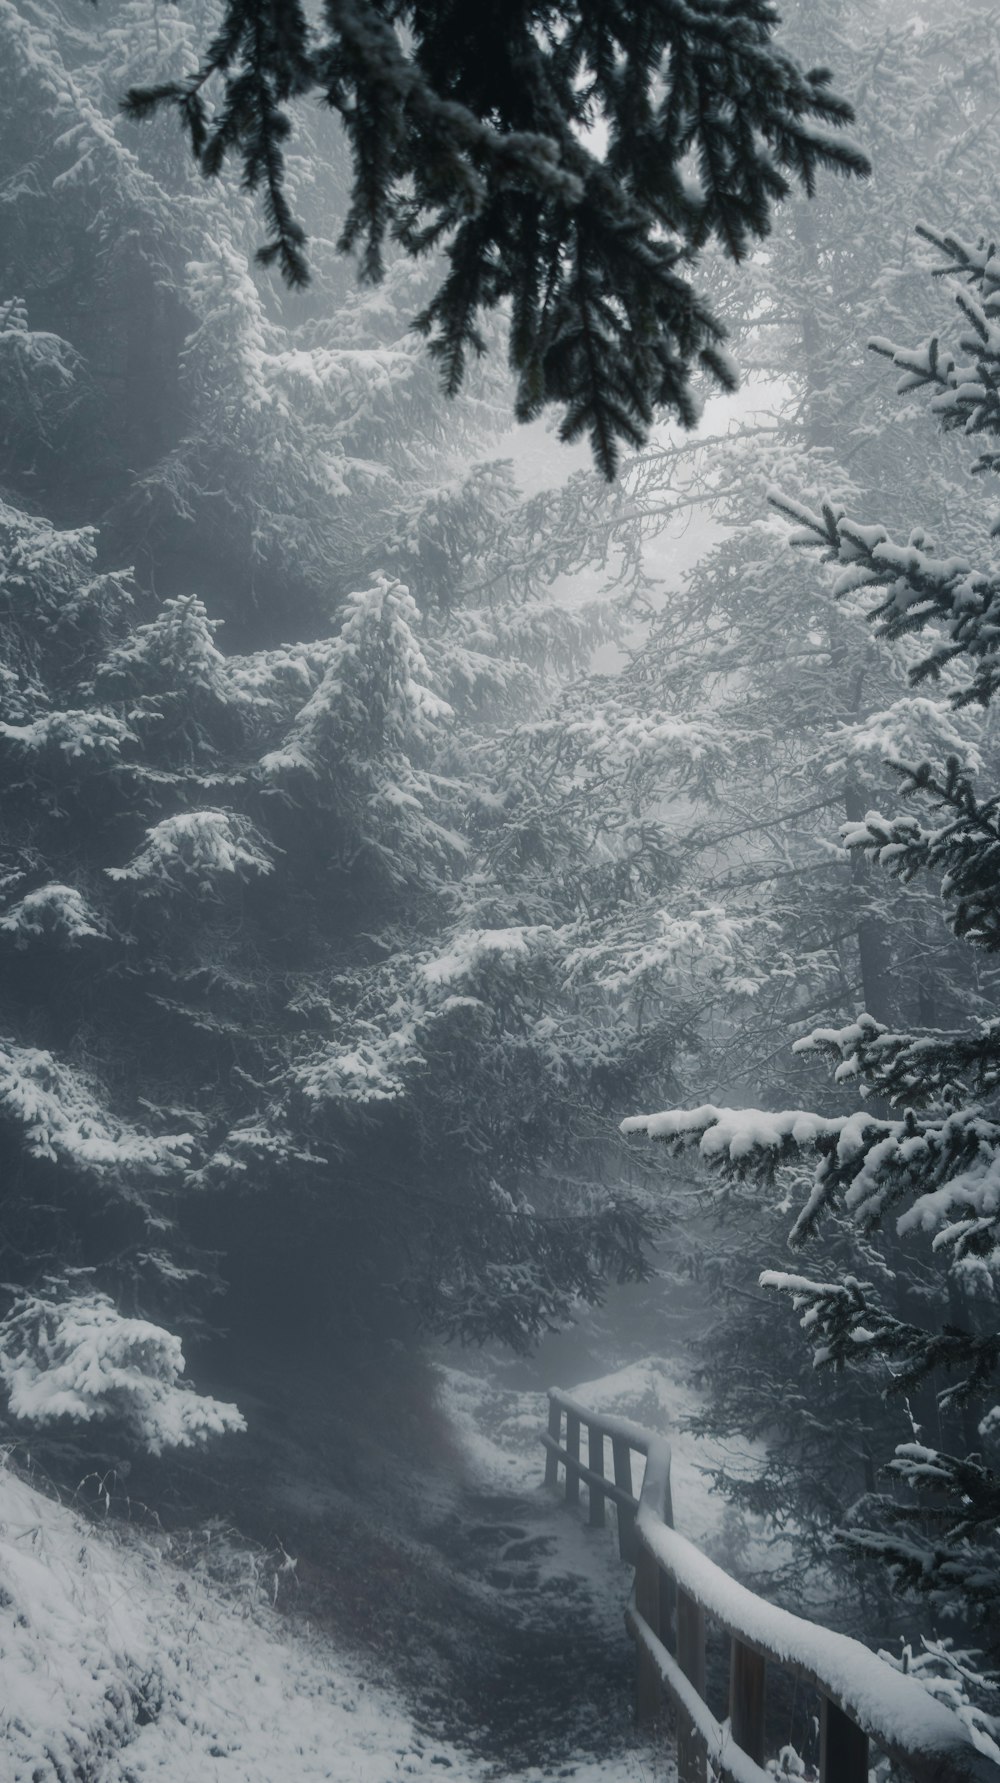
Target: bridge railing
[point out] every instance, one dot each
(862, 1698)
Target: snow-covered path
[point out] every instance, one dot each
(505, 1652)
(541, 1683)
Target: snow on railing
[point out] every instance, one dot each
(862, 1698)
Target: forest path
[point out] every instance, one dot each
(468, 1588)
(542, 1676)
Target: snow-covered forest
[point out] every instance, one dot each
(499, 869)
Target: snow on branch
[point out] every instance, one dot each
(911, 730)
(913, 587)
(951, 1675)
(63, 1120)
(962, 849)
(946, 1167)
(79, 1358)
(194, 850)
(744, 1135)
(60, 911)
(86, 732)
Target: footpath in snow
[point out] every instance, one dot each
(119, 1663)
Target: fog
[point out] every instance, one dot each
(494, 904)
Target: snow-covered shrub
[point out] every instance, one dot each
(78, 1357)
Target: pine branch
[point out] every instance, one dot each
(474, 136)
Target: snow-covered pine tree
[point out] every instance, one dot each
(745, 625)
(82, 1178)
(566, 162)
(293, 930)
(914, 1163)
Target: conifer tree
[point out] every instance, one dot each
(811, 708)
(295, 940)
(913, 1164)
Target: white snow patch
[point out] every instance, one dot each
(115, 1659)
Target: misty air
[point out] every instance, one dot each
(499, 891)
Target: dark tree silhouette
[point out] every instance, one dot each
(568, 159)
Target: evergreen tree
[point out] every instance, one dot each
(303, 974)
(810, 708)
(918, 1154)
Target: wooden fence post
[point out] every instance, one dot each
(555, 1431)
(668, 1590)
(747, 1679)
(843, 1748)
(691, 1753)
(595, 1461)
(626, 1515)
(648, 1685)
(573, 1451)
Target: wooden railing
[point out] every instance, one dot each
(862, 1698)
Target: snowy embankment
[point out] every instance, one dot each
(116, 1665)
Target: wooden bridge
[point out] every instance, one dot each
(863, 1700)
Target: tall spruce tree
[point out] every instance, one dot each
(808, 708)
(913, 1164)
(305, 980)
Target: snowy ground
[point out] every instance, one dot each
(482, 1636)
(121, 1662)
(118, 1665)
